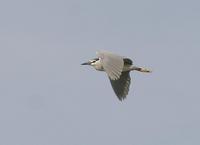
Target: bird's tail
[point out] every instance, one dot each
(141, 69)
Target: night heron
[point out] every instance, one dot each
(117, 69)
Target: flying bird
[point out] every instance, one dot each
(117, 69)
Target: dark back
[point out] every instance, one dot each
(127, 61)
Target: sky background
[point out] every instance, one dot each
(48, 98)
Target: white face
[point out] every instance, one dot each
(96, 64)
(93, 62)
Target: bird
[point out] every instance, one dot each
(118, 70)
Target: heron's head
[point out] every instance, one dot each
(91, 62)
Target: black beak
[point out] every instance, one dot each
(86, 63)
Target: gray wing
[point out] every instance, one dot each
(113, 64)
(121, 86)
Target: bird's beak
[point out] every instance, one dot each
(86, 63)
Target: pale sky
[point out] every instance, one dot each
(48, 98)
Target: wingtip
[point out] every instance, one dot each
(121, 98)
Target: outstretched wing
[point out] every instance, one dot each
(121, 86)
(113, 64)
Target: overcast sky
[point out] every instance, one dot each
(48, 98)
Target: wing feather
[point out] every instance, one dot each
(121, 86)
(113, 64)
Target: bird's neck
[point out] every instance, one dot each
(98, 66)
